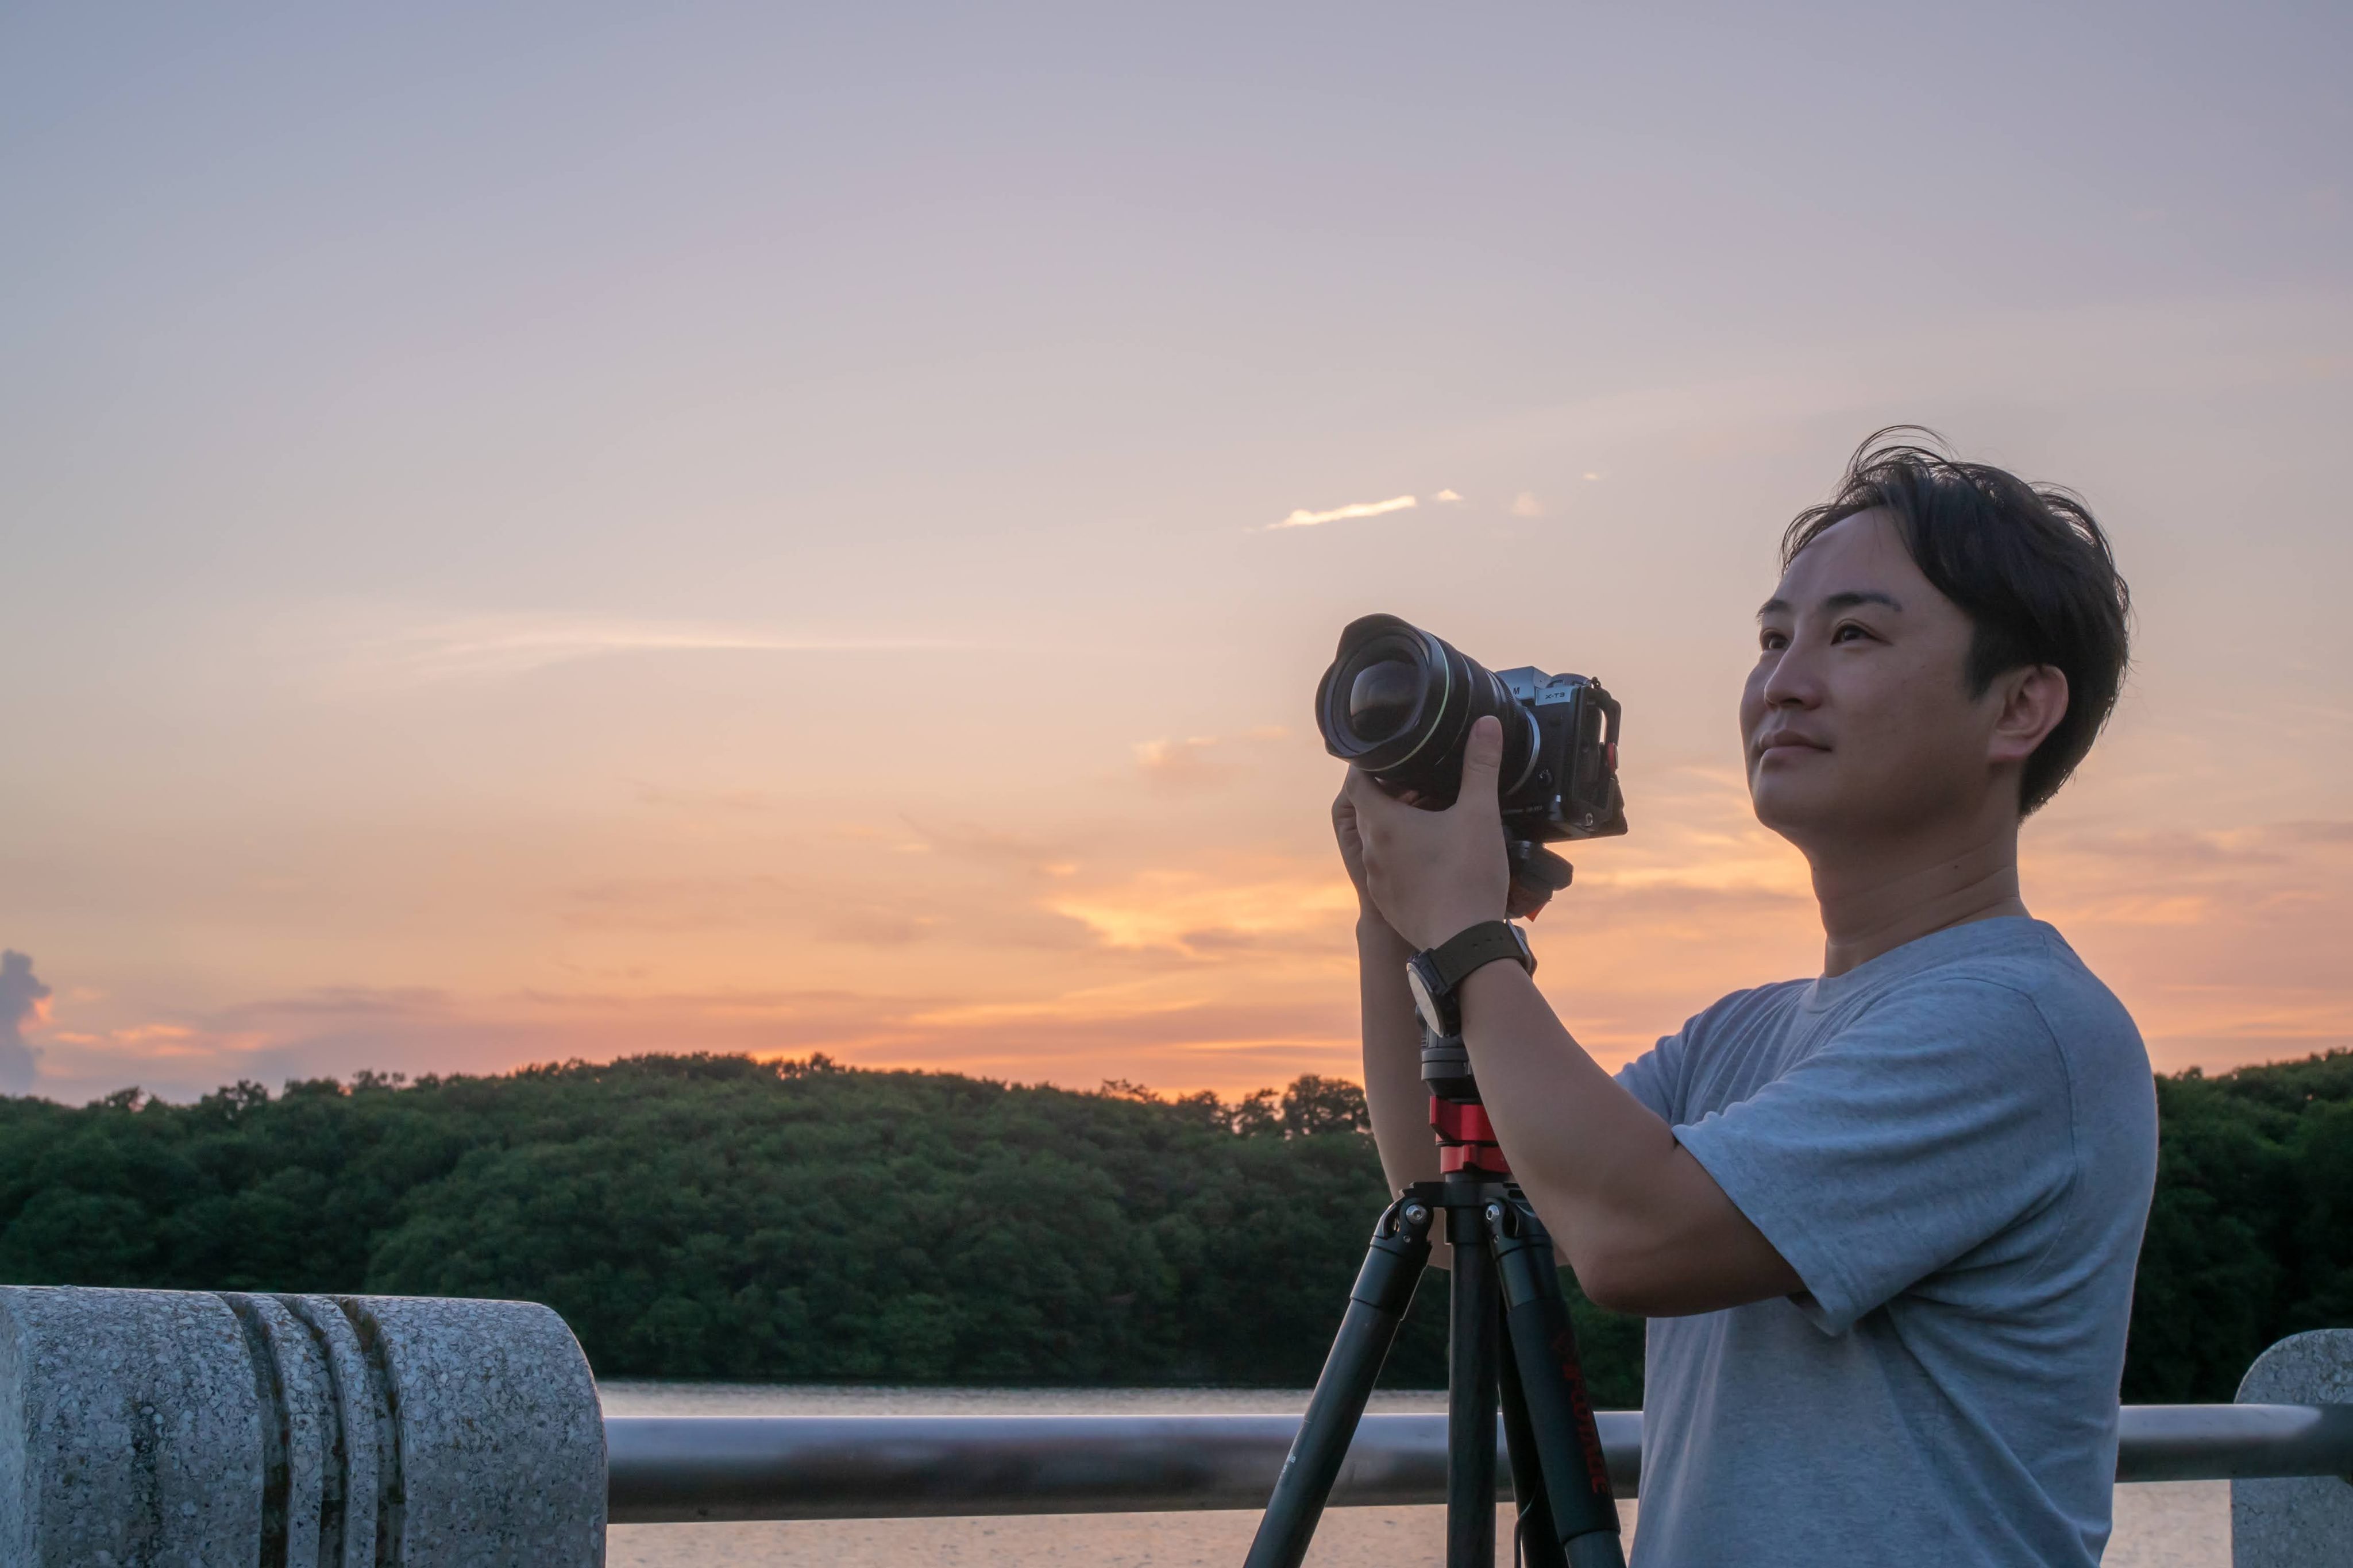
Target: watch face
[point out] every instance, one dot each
(1423, 1003)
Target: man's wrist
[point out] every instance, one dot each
(1375, 934)
(1483, 985)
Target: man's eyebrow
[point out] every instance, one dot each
(1835, 603)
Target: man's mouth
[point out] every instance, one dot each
(1785, 741)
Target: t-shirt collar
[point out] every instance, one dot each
(1969, 940)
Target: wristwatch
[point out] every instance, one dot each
(1436, 974)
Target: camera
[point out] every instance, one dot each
(1398, 703)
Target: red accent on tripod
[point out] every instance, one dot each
(1466, 1139)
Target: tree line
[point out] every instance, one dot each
(716, 1216)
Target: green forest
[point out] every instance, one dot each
(714, 1216)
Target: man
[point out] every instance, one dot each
(1884, 1222)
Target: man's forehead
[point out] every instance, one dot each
(1856, 560)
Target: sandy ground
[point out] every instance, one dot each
(2172, 1525)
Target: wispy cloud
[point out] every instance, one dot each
(1304, 519)
(1181, 764)
(1199, 761)
(519, 644)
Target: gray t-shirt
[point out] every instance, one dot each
(1953, 1144)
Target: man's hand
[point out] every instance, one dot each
(1643, 1223)
(1433, 873)
(1352, 843)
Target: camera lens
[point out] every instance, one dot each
(1381, 698)
(1398, 703)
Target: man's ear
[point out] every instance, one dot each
(2033, 702)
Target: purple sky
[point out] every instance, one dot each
(533, 531)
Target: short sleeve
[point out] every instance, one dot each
(1928, 1126)
(1654, 1078)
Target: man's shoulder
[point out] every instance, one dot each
(2024, 977)
(1684, 1074)
(2027, 1011)
(1736, 1011)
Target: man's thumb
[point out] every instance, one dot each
(1482, 758)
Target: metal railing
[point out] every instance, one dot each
(668, 1470)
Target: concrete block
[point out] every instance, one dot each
(130, 1431)
(170, 1430)
(501, 1439)
(2306, 1522)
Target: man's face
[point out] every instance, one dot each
(1857, 721)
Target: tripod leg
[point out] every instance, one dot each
(1538, 1542)
(1399, 1252)
(1576, 1477)
(1471, 1375)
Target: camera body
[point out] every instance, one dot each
(1399, 703)
(1570, 788)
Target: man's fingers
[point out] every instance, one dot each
(1483, 760)
(1366, 796)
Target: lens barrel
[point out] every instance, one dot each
(1399, 703)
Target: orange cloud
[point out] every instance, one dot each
(1056, 945)
(1194, 911)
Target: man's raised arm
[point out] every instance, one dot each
(1394, 1094)
(1640, 1221)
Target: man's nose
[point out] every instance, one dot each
(1793, 681)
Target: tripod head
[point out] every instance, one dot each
(1466, 1139)
(1537, 867)
(1446, 1068)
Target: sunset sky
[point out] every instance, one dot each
(545, 531)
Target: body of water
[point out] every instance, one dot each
(2170, 1525)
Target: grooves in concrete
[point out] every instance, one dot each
(329, 1476)
(271, 1398)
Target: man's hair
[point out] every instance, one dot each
(2025, 562)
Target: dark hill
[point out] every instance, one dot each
(715, 1217)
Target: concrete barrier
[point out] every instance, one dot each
(182, 1429)
(2297, 1524)
(179, 1429)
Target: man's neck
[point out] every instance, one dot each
(1875, 902)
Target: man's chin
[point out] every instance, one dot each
(1798, 814)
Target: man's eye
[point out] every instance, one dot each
(1841, 634)
(1772, 642)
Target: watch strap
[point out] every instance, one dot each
(1477, 946)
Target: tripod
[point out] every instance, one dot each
(1509, 1337)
